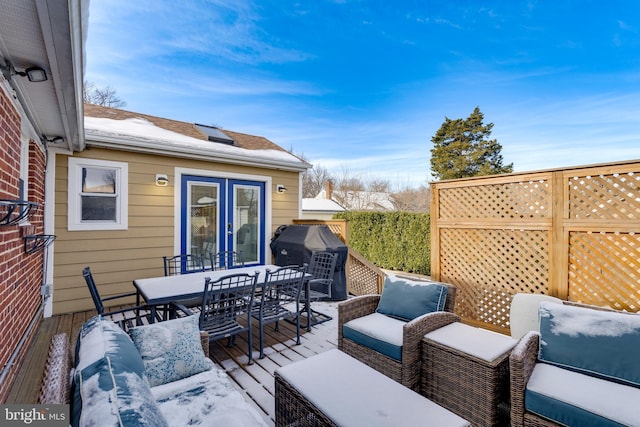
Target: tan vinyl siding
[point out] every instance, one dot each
(117, 257)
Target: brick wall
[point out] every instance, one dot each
(20, 273)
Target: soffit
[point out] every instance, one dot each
(45, 34)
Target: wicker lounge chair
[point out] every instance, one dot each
(576, 386)
(406, 371)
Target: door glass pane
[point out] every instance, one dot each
(202, 227)
(247, 221)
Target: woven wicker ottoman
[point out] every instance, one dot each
(334, 389)
(466, 370)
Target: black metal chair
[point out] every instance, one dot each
(182, 264)
(225, 260)
(322, 266)
(124, 317)
(281, 288)
(225, 302)
(185, 264)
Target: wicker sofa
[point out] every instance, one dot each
(159, 376)
(405, 366)
(580, 369)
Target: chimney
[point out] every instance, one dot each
(328, 190)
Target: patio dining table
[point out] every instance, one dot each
(162, 290)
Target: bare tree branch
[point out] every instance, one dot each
(101, 96)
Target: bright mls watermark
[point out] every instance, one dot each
(34, 415)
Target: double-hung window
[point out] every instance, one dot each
(98, 195)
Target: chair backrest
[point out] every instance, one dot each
(322, 265)
(182, 264)
(225, 260)
(224, 300)
(91, 284)
(281, 286)
(523, 313)
(450, 303)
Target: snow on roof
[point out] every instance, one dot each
(139, 132)
(361, 200)
(321, 205)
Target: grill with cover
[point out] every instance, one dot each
(293, 244)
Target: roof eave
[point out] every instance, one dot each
(66, 59)
(151, 147)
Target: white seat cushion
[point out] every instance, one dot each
(352, 394)
(208, 399)
(580, 393)
(379, 326)
(377, 332)
(481, 343)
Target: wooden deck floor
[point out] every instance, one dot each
(255, 380)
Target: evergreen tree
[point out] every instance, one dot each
(462, 148)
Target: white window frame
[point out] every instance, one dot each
(23, 183)
(74, 216)
(24, 172)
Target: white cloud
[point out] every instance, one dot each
(624, 26)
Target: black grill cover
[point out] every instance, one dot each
(293, 244)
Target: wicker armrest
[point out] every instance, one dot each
(55, 383)
(522, 360)
(355, 308)
(416, 329)
(412, 334)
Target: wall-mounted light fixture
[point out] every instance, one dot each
(281, 189)
(34, 74)
(162, 180)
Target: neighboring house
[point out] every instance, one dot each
(38, 39)
(147, 187)
(358, 200)
(320, 208)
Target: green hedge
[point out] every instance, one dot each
(392, 240)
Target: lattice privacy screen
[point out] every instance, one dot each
(604, 269)
(511, 200)
(496, 236)
(490, 266)
(613, 196)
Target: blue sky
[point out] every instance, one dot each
(360, 87)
